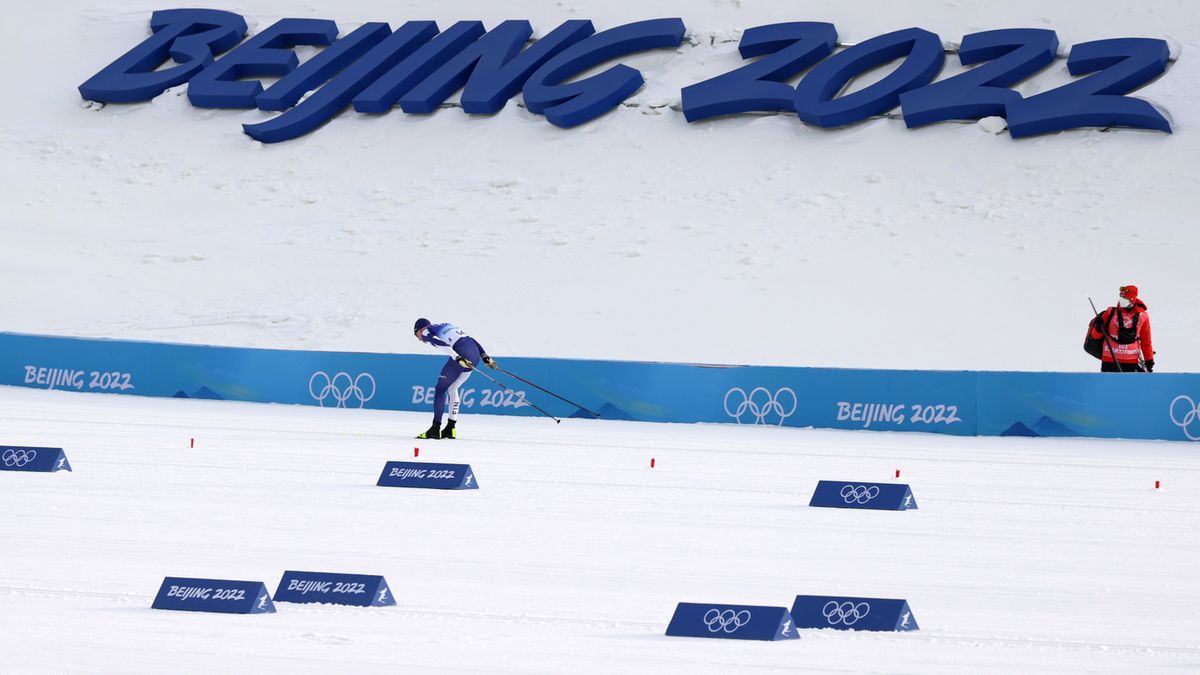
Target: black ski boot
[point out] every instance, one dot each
(433, 433)
(448, 432)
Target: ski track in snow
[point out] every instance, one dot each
(1027, 555)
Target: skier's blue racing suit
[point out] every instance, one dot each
(453, 341)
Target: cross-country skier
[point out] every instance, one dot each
(1128, 328)
(465, 353)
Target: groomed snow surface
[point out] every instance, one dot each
(1026, 555)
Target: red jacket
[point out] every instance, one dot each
(1126, 353)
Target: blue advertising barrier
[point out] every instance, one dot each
(214, 595)
(964, 403)
(360, 590)
(46, 460)
(852, 495)
(428, 475)
(843, 613)
(1100, 405)
(732, 622)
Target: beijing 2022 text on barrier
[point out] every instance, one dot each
(1162, 406)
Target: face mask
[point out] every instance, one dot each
(1125, 303)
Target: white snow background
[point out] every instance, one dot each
(752, 239)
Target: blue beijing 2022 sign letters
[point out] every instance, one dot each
(418, 66)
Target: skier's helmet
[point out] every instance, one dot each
(421, 324)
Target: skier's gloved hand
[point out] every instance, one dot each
(465, 363)
(1150, 366)
(491, 363)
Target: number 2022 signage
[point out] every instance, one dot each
(419, 66)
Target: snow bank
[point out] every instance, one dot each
(751, 239)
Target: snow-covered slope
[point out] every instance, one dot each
(1026, 555)
(752, 239)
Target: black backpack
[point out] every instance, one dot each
(1125, 336)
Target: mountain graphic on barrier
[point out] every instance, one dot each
(1046, 427)
(201, 393)
(607, 411)
(1019, 429)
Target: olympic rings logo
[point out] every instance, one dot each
(845, 613)
(1188, 421)
(859, 494)
(18, 457)
(341, 389)
(760, 404)
(725, 620)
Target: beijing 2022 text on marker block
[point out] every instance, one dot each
(732, 622)
(45, 460)
(214, 595)
(854, 495)
(360, 590)
(845, 613)
(427, 475)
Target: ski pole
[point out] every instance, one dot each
(1111, 350)
(518, 377)
(535, 406)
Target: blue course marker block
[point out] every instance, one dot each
(214, 595)
(45, 460)
(853, 495)
(732, 622)
(360, 590)
(427, 475)
(844, 613)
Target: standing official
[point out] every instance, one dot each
(1129, 347)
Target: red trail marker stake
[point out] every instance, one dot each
(192, 444)
(897, 473)
(1156, 484)
(416, 452)
(651, 462)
